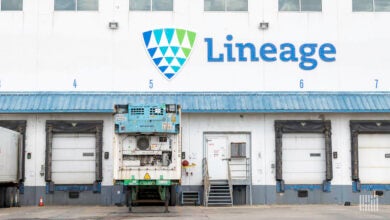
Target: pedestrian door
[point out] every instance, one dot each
(217, 157)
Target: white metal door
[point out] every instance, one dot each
(374, 158)
(73, 158)
(303, 158)
(217, 157)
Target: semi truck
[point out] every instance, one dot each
(147, 152)
(11, 156)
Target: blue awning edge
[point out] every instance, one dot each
(198, 102)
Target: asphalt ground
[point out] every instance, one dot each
(197, 212)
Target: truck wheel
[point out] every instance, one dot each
(172, 201)
(16, 197)
(2, 197)
(8, 197)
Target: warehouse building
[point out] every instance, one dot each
(287, 99)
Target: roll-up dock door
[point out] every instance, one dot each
(303, 158)
(303, 154)
(73, 158)
(370, 154)
(374, 158)
(74, 155)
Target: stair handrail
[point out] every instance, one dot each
(243, 168)
(230, 182)
(248, 167)
(206, 182)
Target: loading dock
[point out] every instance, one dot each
(303, 155)
(198, 121)
(370, 155)
(73, 156)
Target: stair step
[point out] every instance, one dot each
(190, 199)
(219, 196)
(219, 183)
(211, 204)
(219, 200)
(189, 203)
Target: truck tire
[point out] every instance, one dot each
(16, 197)
(172, 201)
(2, 197)
(9, 197)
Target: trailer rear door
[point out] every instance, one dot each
(9, 155)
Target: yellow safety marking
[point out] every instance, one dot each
(147, 176)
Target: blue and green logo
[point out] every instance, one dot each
(169, 48)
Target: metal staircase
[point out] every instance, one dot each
(220, 193)
(216, 192)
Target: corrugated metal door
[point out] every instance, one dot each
(303, 158)
(74, 158)
(217, 158)
(374, 158)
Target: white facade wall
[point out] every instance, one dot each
(43, 49)
(47, 50)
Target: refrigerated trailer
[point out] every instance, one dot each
(147, 159)
(11, 156)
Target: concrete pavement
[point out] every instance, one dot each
(276, 212)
